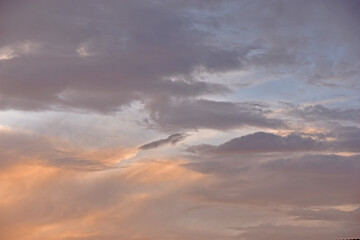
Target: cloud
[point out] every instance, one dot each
(19, 147)
(327, 215)
(339, 139)
(84, 70)
(283, 232)
(302, 181)
(100, 57)
(262, 142)
(69, 200)
(172, 139)
(297, 37)
(63, 204)
(322, 113)
(67, 204)
(125, 60)
(196, 114)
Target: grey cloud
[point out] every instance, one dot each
(314, 180)
(172, 139)
(133, 51)
(261, 142)
(330, 164)
(284, 232)
(327, 215)
(323, 113)
(348, 138)
(294, 38)
(309, 180)
(297, 37)
(345, 139)
(195, 114)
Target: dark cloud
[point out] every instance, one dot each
(196, 114)
(172, 139)
(101, 56)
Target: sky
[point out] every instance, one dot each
(172, 119)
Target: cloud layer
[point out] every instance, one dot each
(259, 100)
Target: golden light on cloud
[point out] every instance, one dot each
(4, 128)
(19, 181)
(106, 156)
(161, 171)
(148, 180)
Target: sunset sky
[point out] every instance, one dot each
(179, 120)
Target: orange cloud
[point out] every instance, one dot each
(161, 171)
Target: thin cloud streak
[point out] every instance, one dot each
(172, 139)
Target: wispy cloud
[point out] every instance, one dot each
(172, 139)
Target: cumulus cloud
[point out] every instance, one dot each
(133, 51)
(261, 142)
